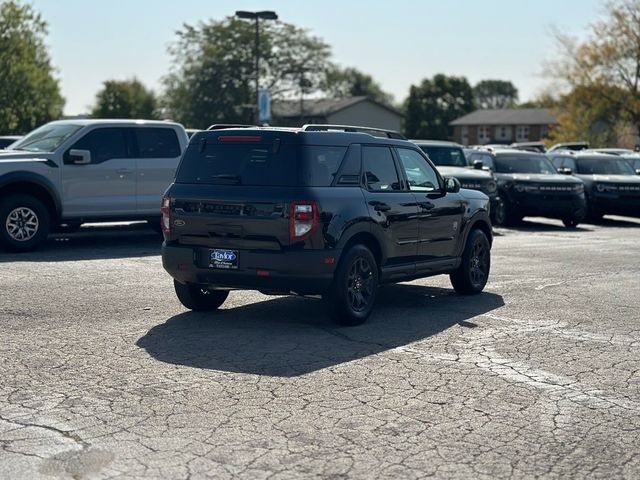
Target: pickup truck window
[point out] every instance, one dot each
(47, 138)
(157, 143)
(104, 144)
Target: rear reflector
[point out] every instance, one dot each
(240, 138)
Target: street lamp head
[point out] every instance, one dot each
(265, 15)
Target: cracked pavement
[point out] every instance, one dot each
(105, 375)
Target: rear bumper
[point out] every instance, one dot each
(302, 272)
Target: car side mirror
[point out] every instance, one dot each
(637, 171)
(451, 185)
(478, 165)
(80, 157)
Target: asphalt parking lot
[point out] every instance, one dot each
(104, 374)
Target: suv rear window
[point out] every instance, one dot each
(260, 164)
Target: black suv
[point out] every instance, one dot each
(331, 213)
(529, 184)
(611, 184)
(451, 161)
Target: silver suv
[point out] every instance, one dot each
(75, 171)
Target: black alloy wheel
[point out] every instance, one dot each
(352, 294)
(473, 273)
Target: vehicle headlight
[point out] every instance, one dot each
(602, 187)
(491, 187)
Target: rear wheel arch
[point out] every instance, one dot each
(368, 240)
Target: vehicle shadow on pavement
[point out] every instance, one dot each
(290, 336)
(621, 222)
(93, 243)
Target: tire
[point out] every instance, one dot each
(571, 222)
(197, 298)
(504, 213)
(352, 295)
(24, 223)
(471, 276)
(154, 224)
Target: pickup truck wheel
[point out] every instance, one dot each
(24, 223)
(503, 213)
(353, 293)
(198, 298)
(471, 276)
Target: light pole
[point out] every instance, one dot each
(265, 15)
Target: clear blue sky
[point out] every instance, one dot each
(398, 42)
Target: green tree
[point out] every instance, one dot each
(213, 79)
(124, 99)
(29, 92)
(351, 82)
(495, 94)
(435, 103)
(607, 61)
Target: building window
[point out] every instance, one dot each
(522, 133)
(465, 135)
(503, 133)
(484, 134)
(544, 132)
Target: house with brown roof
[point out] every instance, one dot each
(505, 126)
(361, 111)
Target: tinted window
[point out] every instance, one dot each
(104, 144)
(604, 166)
(320, 164)
(422, 177)
(445, 156)
(46, 138)
(157, 143)
(379, 169)
(256, 164)
(524, 164)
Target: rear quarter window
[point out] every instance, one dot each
(320, 164)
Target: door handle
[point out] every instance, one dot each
(123, 171)
(426, 205)
(380, 206)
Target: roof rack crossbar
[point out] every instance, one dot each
(319, 127)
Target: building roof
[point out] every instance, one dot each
(321, 107)
(508, 116)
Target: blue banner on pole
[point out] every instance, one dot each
(264, 104)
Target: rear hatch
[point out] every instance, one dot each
(234, 189)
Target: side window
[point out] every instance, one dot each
(157, 143)
(380, 170)
(422, 177)
(321, 164)
(103, 143)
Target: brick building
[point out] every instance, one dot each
(503, 126)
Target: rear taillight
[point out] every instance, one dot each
(304, 218)
(165, 210)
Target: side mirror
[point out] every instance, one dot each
(451, 185)
(637, 171)
(80, 157)
(477, 164)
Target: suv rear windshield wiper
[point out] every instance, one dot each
(230, 177)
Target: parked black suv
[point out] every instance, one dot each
(295, 211)
(611, 184)
(451, 161)
(530, 185)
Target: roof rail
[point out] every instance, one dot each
(316, 127)
(221, 126)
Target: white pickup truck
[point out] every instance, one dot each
(75, 171)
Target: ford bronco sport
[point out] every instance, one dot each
(331, 213)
